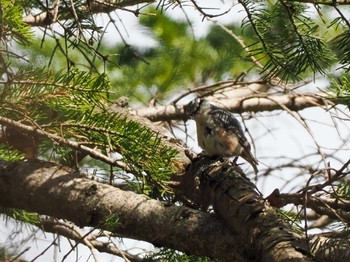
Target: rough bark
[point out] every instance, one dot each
(245, 228)
(331, 248)
(234, 198)
(58, 191)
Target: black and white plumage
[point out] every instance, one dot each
(219, 133)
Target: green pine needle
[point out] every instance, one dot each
(339, 89)
(12, 26)
(287, 40)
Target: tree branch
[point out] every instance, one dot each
(70, 231)
(333, 208)
(25, 139)
(58, 191)
(234, 198)
(323, 2)
(255, 228)
(95, 6)
(244, 104)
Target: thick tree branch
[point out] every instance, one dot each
(243, 104)
(234, 198)
(58, 191)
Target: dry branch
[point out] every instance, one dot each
(70, 231)
(95, 6)
(332, 207)
(323, 2)
(243, 104)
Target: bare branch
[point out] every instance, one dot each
(324, 2)
(244, 104)
(70, 231)
(95, 6)
(333, 208)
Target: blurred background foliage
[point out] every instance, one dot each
(290, 42)
(176, 62)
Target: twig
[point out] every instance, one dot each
(61, 140)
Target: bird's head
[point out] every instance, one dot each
(193, 107)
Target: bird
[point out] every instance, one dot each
(219, 133)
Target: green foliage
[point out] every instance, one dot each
(178, 61)
(72, 105)
(6, 254)
(8, 153)
(288, 40)
(112, 222)
(339, 89)
(292, 218)
(52, 98)
(22, 216)
(12, 26)
(141, 149)
(342, 43)
(167, 254)
(343, 190)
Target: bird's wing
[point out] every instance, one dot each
(226, 120)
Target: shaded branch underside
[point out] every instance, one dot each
(250, 229)
(58, 191)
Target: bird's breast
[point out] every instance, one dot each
(217, 142)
